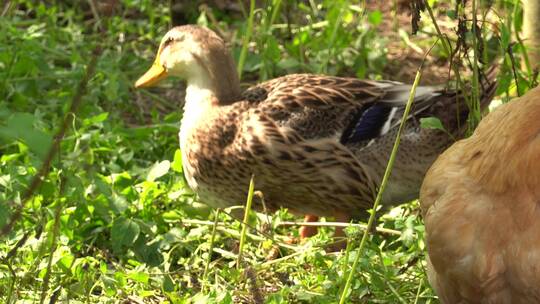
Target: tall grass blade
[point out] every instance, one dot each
(211, 249)
(386, 176)
(247, 38)
(244, 222)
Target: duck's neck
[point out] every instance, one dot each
(201, 101)
(214, 79)
(200, 95)
(207, 90)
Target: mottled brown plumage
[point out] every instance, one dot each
(316, 144)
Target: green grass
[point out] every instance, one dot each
(112, 219)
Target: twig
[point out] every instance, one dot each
(254, 287)
(340, 224)
(235, 233)
(255, 237)
(12, 285)
(6, 260)
(135, 300)
(213, 20)
(46, 166)
(276, 261)
(7, 6)
(447, 47)
(94, 10)
(55, 295)
(410, 263)
(19, 244)
(260, 195)
(54, 234)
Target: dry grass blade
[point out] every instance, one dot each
(340, 224)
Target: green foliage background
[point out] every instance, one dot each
(113, 220)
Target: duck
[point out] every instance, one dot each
(317, 145)
(480, 201)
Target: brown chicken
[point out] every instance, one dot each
(481, 205)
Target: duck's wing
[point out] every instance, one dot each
(298, 129)
(348, 109)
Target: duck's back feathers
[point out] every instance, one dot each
(349, 109)
(356, 111)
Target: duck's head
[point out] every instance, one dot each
(197, 55)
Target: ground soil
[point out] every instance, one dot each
(404, 59)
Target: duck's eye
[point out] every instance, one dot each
(168, 41)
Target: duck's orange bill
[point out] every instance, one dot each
(156, 73)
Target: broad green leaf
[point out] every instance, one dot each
(171, 215)
(174, 235)
(506, 37)
(407, 234)
(118, 203)
(224, 298)
(176, 165)
(120, 278)
(96, 119)
(124, 232)
(20, 126)
(348, 17)
(148, 251)
(103, 267)
(111, 87)
(168, 284)
(140, 277)
(4, 214)
(375, 17)
(9, 157)
(201, 299)
(158, 170)
(66, 261)
(431, 123)
(272, 50)
(109, 284)
(5, 180)
(202, 20)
